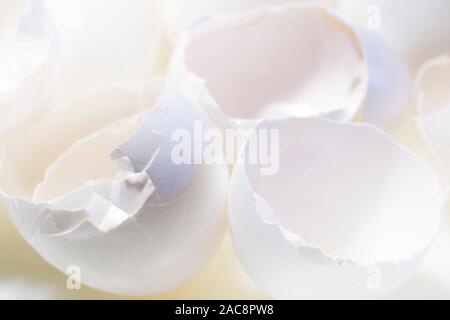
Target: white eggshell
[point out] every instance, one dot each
(349, 214)
(432, 93)
(27, 60)
(389, 93)
(9, 12)
(293, 60)
(418, 29)
(178, 15)
(432, 280)
(109, 41)
(142, 230)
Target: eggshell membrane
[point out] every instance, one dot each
(432, 93)
(80, 117)
(347, 199)
(128, 235)
(179, 15)
(106, 41)
(418, 29)
(28, 54)
(98, 146)
(273, 62)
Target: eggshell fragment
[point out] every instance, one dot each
(313, 64)
(178, 15)
(350, 214)
(27, 62)
(106, 41)
(418, 29)
(432, 93)
(136, 229)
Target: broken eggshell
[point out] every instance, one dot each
(28, 50)
(349, 214)
(418, 29)
(106, 41)
(179, 15)
(294, 60)
(132, 224)
(432, 94)
(273, 62)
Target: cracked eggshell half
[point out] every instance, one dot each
(179, 15)
(418, 29)
(432, 94)
(293, 60)
(241, 67)
(28, 53)
(92, 186)
(349, 214)
(106, 41)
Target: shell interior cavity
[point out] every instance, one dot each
(93, 198)
(297, 60)
(346, 199)
(180, 15)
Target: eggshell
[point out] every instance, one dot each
(371, 82)
(10, 11)
(106, 41)
(293, 60)
(418, 29)
(349, 215)
(141, 228)
(389, 96)
(179, 15)
(432, 93)
(28, 54)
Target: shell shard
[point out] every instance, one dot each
(127, 231)
(155, 159)
(350, 214)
